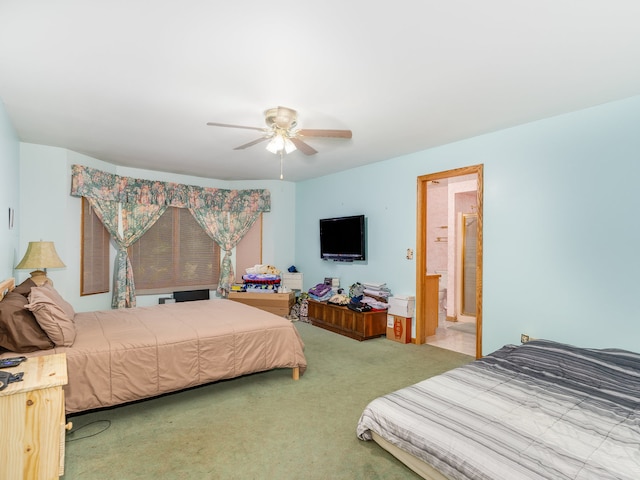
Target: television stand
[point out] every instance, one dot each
(338, 319)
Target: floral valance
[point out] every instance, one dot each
(89, 182)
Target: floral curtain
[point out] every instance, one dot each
(226, 230)
(89, 182)
(226, 215)
(126, 222)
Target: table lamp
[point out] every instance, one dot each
(40, 255)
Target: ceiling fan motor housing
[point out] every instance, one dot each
(281, 117)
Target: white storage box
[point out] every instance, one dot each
(293, 281)
(402, 306)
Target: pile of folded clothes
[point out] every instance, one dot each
(261, 279)
(369, 296)
(261, 282)
(321, 292)
(362, 297)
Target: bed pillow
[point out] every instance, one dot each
(56, 298)
(25, 287)
(54, 315)
(19, 329)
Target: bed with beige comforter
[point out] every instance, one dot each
(120, 356)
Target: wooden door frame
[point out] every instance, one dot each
(421, 249)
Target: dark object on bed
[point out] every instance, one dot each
(542, 410)
(191, 295)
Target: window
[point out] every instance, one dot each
(175, 254)
(94, 257)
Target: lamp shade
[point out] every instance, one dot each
(40, 255)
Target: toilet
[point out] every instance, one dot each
(442, 297)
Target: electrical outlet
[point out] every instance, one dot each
(524, 338)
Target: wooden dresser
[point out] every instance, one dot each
(33, 421)
(278, 303)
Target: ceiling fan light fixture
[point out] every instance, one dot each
(288, 145)
(276, 144)
(280, 143)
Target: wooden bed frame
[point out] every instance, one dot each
(6, 286)
(416, 464)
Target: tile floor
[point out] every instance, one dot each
(455, 340)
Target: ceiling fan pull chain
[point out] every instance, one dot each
(281, 164)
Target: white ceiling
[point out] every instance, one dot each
(135, 82)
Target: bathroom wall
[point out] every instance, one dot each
(437, 228)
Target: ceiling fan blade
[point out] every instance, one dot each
(251, 144)
(303, 147)
(325, 133)
(214, 124)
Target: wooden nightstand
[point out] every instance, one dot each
(33, 421)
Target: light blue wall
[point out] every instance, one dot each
(53, 214)
(560, 231)
(9, 198)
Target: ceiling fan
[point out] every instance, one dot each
(282, 133)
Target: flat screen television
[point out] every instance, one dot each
(342, 238)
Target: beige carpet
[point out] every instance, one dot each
(262, 426)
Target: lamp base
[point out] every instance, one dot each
(39, 277)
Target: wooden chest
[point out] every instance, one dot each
(342, 320)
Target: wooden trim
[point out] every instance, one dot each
(421, 261)
(480, 193)
(6, 286)
(421, 249)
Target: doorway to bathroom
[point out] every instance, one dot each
(449, 248)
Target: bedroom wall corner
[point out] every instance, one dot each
(278, 225)
(49, 212)
(9, 194)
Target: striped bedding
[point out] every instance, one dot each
(542, 410)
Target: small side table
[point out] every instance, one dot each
(33, 420)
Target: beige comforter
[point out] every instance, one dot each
(130, 354)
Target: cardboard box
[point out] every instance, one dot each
(402, 306)
(399, 328)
